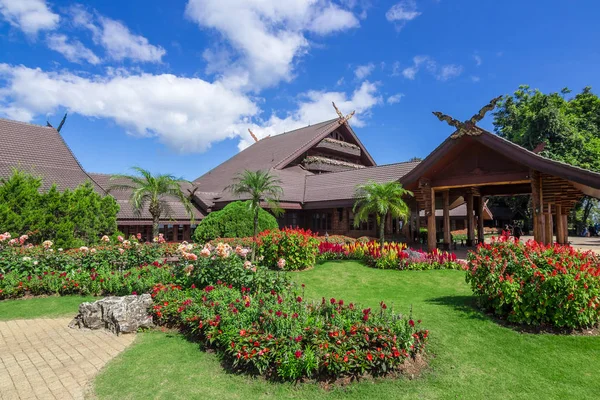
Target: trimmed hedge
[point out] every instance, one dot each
(235, 220)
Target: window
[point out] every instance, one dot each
(340, 212)
(336, 135)
(180, 232)
(169, 233)
(321, 222)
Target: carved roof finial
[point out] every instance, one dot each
(468, 127)
(342, 119)
(253, 135)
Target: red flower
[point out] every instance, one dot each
(298, 354)
(332, 300)
(411, 322)
(369, 357)
(299, 299)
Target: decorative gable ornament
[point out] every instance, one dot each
(468, 127)
(342, 120)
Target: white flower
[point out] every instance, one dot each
(281, 263)
(105, 239)
(84, 249)
(26, 258)
(47, 244)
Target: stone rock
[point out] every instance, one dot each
(124, 314)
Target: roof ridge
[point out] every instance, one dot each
(26, 123)
(324, 129)
(297, 129)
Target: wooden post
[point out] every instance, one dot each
(549, 234)
(418, 223)
(431, 233)
(446, 204)
(565, 224)
(470, 230)
(560, 236)
(480, 232)
(538, 206)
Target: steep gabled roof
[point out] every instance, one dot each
(341, 185)
(274, 154)
(587, 181)
(41, 151)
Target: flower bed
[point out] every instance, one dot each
(282, 336)
(538, 285)
(391, 256)
(196, 266)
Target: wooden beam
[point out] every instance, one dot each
(560, 236)
(536, 199)
(549, 234)
(480, 232)
(470, 230)
(431, 232)
(418, 222)
(565, 224)
(446, 206)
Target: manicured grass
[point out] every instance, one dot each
(41, 307)
(474, 357)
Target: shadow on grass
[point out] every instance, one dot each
(465, 305)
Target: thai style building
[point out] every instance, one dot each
(320, 166)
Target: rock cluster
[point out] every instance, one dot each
(124, 314)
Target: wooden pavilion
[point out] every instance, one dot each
(474, 163)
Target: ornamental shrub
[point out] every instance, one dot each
(235, 220)
(530, 283)
(288, 249)
(71, 218)
(282, 336)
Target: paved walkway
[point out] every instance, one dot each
(45, 359)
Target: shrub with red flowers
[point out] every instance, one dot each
(530, 283)
(288, 249)
(285, 337)
(390, 256)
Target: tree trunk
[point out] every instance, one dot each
(253, 257)
(155, 228)
(382, 230)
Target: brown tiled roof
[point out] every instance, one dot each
(127, 213)
(265, 154)
(41, 151)
(341, 185)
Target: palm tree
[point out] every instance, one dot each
(259, 186)
(381, 199)
(153, 191)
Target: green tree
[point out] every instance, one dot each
(19, 202)
(154, 192)
(568, 128)
(381, 199)
(234, 220)
(260, 186)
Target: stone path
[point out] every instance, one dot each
(44, 359)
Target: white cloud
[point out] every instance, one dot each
(31, 16)
(188, 114)
(395, 98)
(418, 62)
(362, 71)
(402, 12)
(448, 72)
(478, 60)
(314, 107)
(73, 51)
(340, 81)
(332, 19)
(116, 38)
(475, 78)
(268, 36)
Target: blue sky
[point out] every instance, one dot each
(174, 86)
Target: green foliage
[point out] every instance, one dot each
(537, 285)
(69, 218)
(233, 221)
(381, 199)
(281, 335)
(125, 268)
(288, 249)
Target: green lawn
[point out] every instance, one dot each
(41, 307)
(473, 357)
